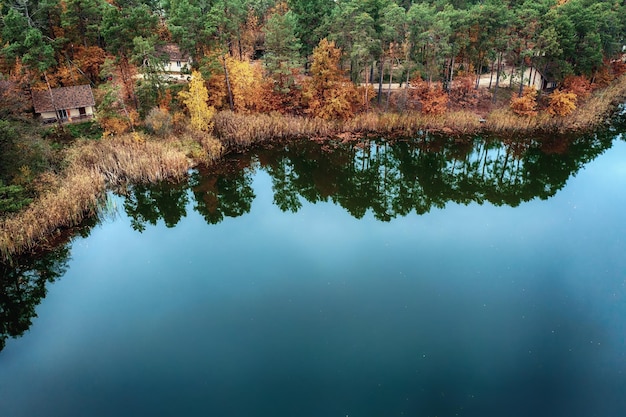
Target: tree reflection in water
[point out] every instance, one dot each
(150, 203)
(224, 191)
(23, 286)
(388, 179)
(393, 180)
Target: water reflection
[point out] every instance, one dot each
(23, 286)
(148, 204)
(388, 179)
(393, 180)
(224, 191)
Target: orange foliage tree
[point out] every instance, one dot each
(14, 97)
(526, 105)
(618, 67)
(113, 114)
(328, 93)
(579, 85)
(278, 101)
(65, 75)
(432, 100)
(562, 103)
(435, 101)
(462, 94)
(90, 59)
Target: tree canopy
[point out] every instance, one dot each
(67, 42)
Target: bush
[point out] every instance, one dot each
(159, 121)
(526, 105)
(562, 103)
(85, 130)
(579, 85)
(12, 198)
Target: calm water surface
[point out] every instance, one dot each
(473, 283)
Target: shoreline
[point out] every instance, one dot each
(94, 167)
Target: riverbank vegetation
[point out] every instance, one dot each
(178, 84)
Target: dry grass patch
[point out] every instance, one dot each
(91, 166)
(78, 196)
(239, 131)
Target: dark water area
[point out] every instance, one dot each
(436, 277)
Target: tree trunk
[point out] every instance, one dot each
(521, 81)
(478, 73)
(367, 84)
(451, 72)
(231, 101)
(390, 81)
(54, 106)
(495, 92)
(380, 80)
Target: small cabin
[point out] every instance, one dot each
(65, 104)
(177, 63)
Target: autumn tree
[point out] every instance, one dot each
(14, 99)
(429, 98)
(579, 85)
(113, 114)
(328, 93)
(159, 121)
(562, 103)
(90, 59)
(246, 80)
(526, 105)
(462, 94)
(196, 102)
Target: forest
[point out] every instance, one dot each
(251, 69)
(301, 56)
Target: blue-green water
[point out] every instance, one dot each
(482, 284)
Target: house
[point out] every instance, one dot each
(177, 63)
(67, 104)
(534, 77)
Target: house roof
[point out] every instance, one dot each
(64, 98)
(173, 52)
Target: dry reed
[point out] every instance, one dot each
(91, 166)
(77, 197)
(240, 131)
(588, 115)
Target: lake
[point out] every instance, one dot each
(434, 277)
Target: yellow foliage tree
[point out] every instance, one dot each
(246, 80)
(196, 101)
(526, 105)
(328, 93)
(562, 103)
